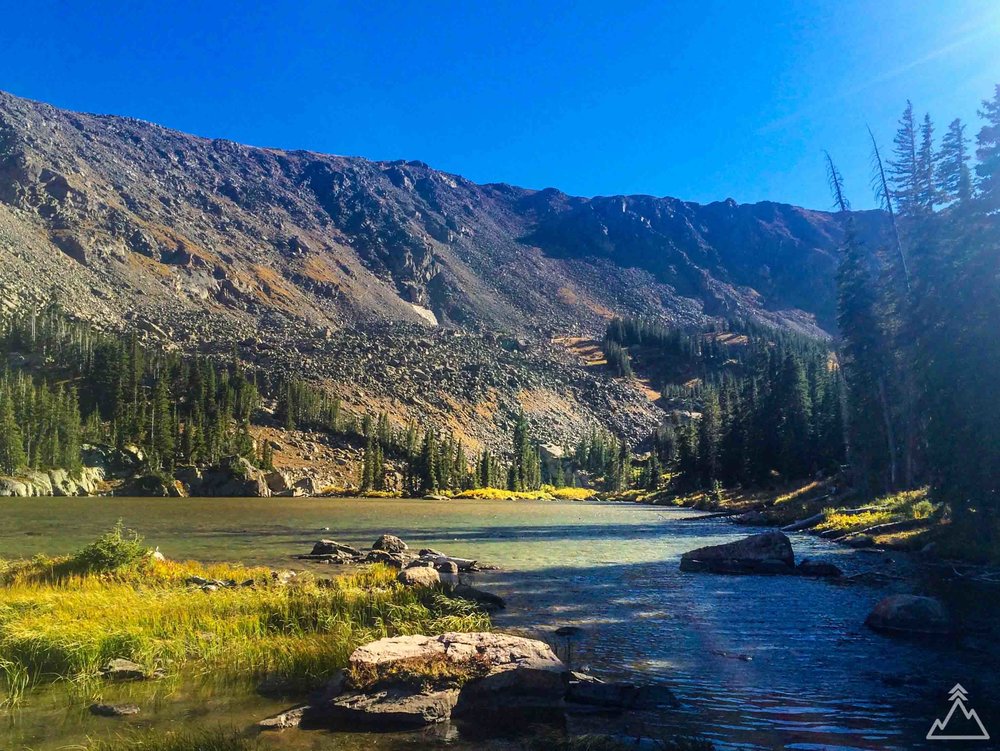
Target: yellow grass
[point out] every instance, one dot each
(55, 624)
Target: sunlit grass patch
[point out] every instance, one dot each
(499, 494)
(59, 624)
(897, 507)
(573, 494)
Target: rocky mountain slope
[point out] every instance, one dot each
(402, 287)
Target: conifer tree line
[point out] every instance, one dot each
(767, 404)
(918, 313)
(176, 410)
(602, 455)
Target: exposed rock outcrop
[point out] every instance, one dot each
(54, 482)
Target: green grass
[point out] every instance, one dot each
(62, 620)
(911, 504)
(214, 740)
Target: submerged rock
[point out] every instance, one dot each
(910, 614)
(114, 710)
(488, 600)
(818, 569)
(394, 707)
(766, 553)
(592, 692)
(290, 718)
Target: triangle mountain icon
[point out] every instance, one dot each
(961, 723)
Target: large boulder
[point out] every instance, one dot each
(419, 576)
(766, 553)
(910, 614)
(421, 680)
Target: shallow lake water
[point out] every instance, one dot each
(756, 662)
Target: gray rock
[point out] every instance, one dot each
(120, 669)
(766, 553)
(820, 569)
(859, 541)
(396, 707)
(910, 614)
(593, 692)
(503, 669)
(386, 558)
(419, 576)
(332, 547)
(114, 710)
(290, 718)
(390, 544)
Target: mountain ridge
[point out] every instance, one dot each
(302, 260)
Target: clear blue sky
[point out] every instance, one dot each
(699, 100)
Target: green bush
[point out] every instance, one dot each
(116, 549)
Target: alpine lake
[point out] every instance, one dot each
(756, 662)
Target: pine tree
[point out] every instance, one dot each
(709, 438)
(988, 153)
(954, 180)
(903, 168)
(927, 196)
(368, 465)
(12, 456)
(161, 432)
(427, 473)
(864, 358)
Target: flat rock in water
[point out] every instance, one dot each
(332, 547)
(766, 553)
(594, 693)
(910, 614)
(290, 718)
(500, 670)
(120, 669)
(495, 651)
(393, 707)
(114, 710)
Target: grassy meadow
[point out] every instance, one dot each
(65, 618)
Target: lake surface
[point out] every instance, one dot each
(757, 662)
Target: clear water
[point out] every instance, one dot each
(757, 662)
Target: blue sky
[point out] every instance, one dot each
(699, 100)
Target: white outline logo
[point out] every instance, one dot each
(957, 696)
